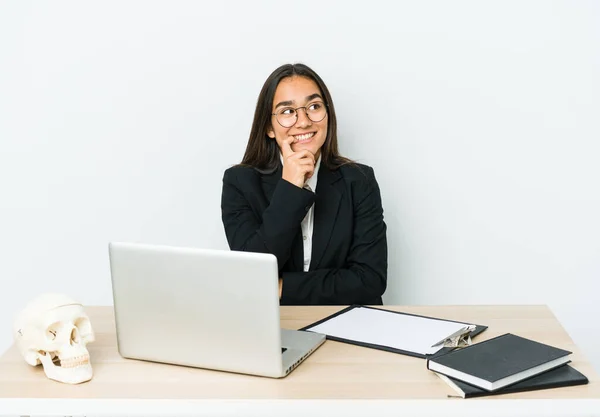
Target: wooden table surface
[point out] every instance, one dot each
(335, 371)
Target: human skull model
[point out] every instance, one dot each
(54, 330)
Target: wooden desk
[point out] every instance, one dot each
(338, 379)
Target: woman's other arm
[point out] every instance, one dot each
(364, 275)
(274, 231)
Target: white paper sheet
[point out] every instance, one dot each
(400, 331)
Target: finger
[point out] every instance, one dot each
(307, 169)
(302, 162)
(286, 147)
(305, 161)
(309, 173)
(304, 154)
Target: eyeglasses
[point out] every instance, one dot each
(288, 116)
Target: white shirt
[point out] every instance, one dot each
(309, 220)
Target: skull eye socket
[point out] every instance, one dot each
(75, 336)
(52, 331)
(83, 326)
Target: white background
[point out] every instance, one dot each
(117, 120)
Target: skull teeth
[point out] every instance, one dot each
(75, 361)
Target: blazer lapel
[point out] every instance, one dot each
(327, 202)
(269, 183)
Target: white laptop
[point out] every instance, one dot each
(213, 309)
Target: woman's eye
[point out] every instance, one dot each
(314, 106)
(287, 112)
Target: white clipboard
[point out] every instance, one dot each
(392, 331)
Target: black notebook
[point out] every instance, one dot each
(563, 376)
(499, 362)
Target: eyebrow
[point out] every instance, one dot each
(290, 102)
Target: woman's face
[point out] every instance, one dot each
(291, 93)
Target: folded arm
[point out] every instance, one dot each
(363, 278)
(274, 231)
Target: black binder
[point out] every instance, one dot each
(478, 330)
(563, 376)
(499, 362)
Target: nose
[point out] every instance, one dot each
(303, 120)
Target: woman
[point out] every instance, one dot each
(294, 196)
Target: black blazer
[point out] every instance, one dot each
(263, 213)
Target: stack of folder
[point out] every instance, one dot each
(502, 365)
(505, 364)
(563, 376)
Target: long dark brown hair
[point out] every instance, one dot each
(262, 151)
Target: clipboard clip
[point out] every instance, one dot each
(455, 338)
